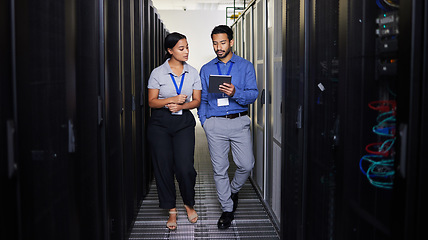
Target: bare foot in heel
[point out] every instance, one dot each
(192, 216)
(172, 221)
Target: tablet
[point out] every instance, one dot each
(216, 81)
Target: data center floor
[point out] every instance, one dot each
(251, 219)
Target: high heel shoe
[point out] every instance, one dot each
(172, 225)
(193, 218)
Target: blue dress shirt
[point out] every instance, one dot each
(244, 80)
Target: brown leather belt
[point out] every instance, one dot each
(234, 115)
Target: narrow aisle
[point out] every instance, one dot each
(251, 220)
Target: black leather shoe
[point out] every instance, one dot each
(234, 197)
(225, 220)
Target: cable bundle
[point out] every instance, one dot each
(378, 165)
(380, 170)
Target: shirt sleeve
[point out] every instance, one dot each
(197, 85)
(248, 92)
(153, 81)
(204, 97)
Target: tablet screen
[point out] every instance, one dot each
(216, 81)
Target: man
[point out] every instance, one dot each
(224, 117)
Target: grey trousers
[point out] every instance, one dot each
(223, 133)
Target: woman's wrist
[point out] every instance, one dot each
(190, 105)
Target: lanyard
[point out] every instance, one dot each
(228, 71)
(178, 89)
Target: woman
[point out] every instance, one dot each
(174, 88)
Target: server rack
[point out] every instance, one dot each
(45, 108)
(9, 176)
(409, 198)
(294, 74)
(274, 114)
(113, 112)
(261, 38)
(365, 210)
(75, 77)
(88, 157)
(259, 115)
(321, 118)
(137, 107)
(351, 116)
(146, 68)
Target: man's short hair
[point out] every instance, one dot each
(223, 29)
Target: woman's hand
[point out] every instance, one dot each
(173, 107)
(179, 99)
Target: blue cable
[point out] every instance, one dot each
(386, 126)
(384, 131)
(371, 161)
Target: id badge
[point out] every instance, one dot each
(223, 102)
(178, 113)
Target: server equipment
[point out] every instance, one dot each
(258, 39)
(74, 161)
(346, 94)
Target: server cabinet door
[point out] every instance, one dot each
(367, 87)
(138, 120)
(9, 184)
(234, 47)
(146, 66)
(152, 26)
(157, 35)
(239, 47)
(274, 103)
(90, 173)
(293, 120)
(128, 106)
(46, 99)
(113, 120)
(323, 121)
(248, 29)
(411, 163)
(260, 108)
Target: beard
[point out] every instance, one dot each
(226, 53)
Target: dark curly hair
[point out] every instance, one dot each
(223, 29)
